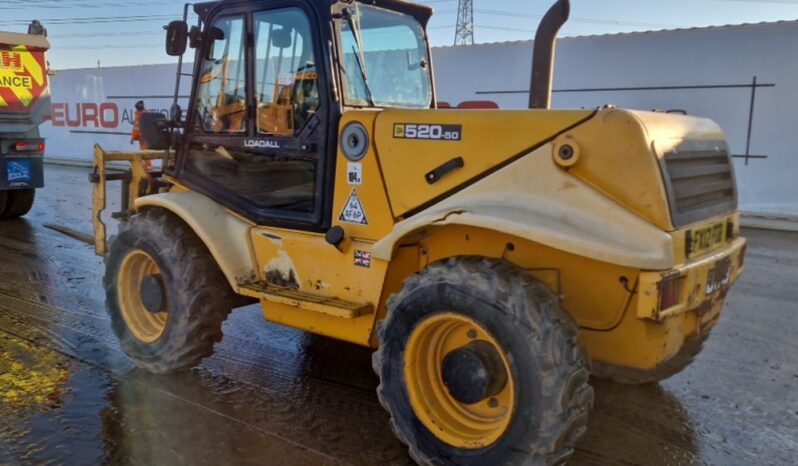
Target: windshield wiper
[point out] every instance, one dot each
(359, 53)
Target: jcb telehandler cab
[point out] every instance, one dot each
(493, 259)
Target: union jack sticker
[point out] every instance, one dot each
(363, 259)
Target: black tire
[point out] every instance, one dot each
(671, 367)
(19, 203)
(540, 342)
(199, 296)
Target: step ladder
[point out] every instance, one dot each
(334, 307)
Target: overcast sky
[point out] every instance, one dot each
(126, 32)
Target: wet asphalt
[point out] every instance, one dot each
(276, 396)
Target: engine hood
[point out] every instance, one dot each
(671, 170)
(427, 155)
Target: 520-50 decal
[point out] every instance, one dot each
(428, 132)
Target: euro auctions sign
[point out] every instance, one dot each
(23, 77)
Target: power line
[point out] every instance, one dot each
(106, 34)
(91, 20)
(575, 19)
(104, 47)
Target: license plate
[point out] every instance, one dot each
(706, 238)
(719, 276)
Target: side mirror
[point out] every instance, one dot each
(281, 38)
(176, 38)
(154, 130)
(195, 37)
(215, 34)
(211, 35)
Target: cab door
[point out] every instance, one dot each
(257, 140)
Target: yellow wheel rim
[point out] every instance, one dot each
(146, 326)
(459, 424)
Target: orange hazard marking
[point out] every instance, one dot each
(23, 77)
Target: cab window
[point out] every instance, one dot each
(286, 83)
(267, 168)
(385, 59)
(221, 96)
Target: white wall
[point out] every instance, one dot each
(705, 57)
(113, 92)
(715, 56)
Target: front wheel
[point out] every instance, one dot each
(166, 296)
(479, 365)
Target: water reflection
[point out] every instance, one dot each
(281, 397)
(286, 397)
(637, 425)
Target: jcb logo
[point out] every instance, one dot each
(11, 61)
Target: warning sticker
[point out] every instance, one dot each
(354, 173)
(285, 79)
(23, 77)
(353, 211)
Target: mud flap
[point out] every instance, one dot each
(21, 173)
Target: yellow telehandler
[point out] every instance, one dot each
(493, 259)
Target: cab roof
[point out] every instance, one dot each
(28, 40)
(422, 13)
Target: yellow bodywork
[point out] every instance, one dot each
(595, 228)
(488, 139)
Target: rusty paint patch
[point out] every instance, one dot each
(281, 279)
(281, 272)
(320, 285)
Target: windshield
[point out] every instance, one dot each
(385, 62)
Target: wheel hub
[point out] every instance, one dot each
(153, 293)
(474, 372)
(459, 380)
(142, 296)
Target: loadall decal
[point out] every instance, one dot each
(23, 77)
(428, 132)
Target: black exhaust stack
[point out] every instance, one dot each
(543, 59)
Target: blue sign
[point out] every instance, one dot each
(19, 171)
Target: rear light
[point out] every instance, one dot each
(669, 289)
(25, 146)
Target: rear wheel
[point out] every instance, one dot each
(18, 203)
(479, 365)
(165, 294)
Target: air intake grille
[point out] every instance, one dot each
(700, 181)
